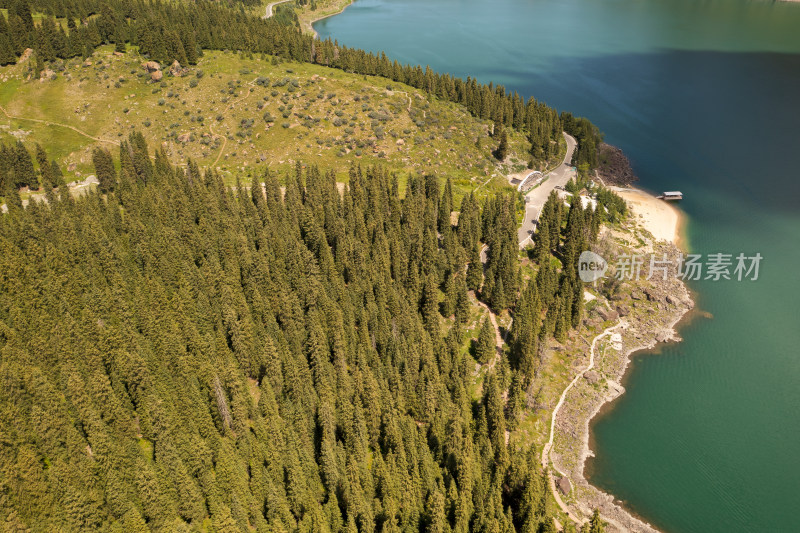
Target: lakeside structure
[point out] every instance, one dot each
(670, 195)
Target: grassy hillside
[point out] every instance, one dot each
(237, 114)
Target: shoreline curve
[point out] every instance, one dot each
(637, 334)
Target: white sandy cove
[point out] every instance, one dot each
(657, 216)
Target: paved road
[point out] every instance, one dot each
(535, 199)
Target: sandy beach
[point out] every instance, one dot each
(660, 218)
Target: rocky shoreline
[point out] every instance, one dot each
(647, 311)
(614, 167)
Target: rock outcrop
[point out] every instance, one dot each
(614, 167)
(176, 70)
(151, 66)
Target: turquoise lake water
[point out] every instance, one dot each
(704, 97)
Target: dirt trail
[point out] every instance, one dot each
(225, 137)
(549, 445)
(499, 339)
(49, 123)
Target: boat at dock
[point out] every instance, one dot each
(670, 195)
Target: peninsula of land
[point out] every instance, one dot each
(637, 317)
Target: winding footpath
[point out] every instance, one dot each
(499, 339)
(250, 86)
(58, 124)
(549, 445)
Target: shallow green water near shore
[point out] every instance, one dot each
(704, 97)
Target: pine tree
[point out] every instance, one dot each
(45, 170)
(22, 9)
(462, 302)
(430, 307)
(450, 296)
(496, 420)
(19, 33)
(516, 400)
(24, 174)
(119, 41)
(502, 148)
(596, 524)
(57, 176)
(475, 269)
(189, 45)
(542, 240)
(445, 207)
(104, 169)
(8, 55)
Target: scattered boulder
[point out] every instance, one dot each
(592, 376)
(623, 310)
(652, 296)
(400, 142)
(156, 75)
(184, 137)
(151, 66)
(614, 389)
(564, 485)
(176, 70)
(25, 55)
(607, 314)
(663, 336)
(672, 300)
(46, 74)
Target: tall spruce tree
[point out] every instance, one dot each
(104, 169)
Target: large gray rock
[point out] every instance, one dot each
(592, 376)
(607, 314)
